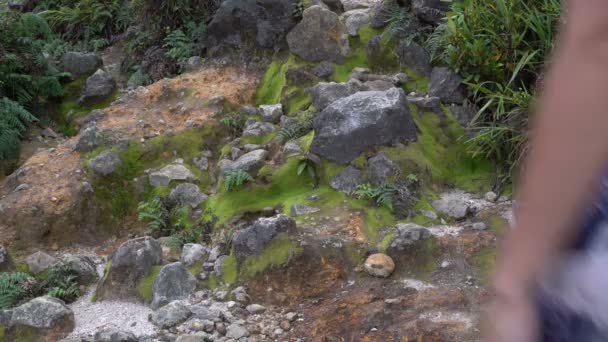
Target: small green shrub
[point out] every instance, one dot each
(14, 120)
(295, 129)
(179, 46)
(307, 165)
(380, 195)
(236, 178)
(234, 122)
(139, 78)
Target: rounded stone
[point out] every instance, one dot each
(379, 265)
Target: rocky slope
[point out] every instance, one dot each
(364, 219)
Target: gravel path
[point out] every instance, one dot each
(91, 317)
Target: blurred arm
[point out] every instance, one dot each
(569, 149)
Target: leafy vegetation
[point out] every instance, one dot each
(499, 47)
(155, 213)
(380, 195)
(236, 178)
(14, 287)
(182, 44)
(307, 165)
(59, 281)
(296, 129)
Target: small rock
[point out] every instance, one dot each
(429, 214)
(201, 162)
(255, 309)
(170, 173)
(80, 64)
(249, 110)
(40, 262)
(114, 335)
(49, 133)
(278, 331)
(22, 187)
(312, 198)
(105, 163)
(347, 181)
(187, 194)
(98, 88)
(445, 264)
(170, 315)
(323, 70)
(89, 138)
(491, 196)
(479, 226)
(43, 317)
(285, 325)
(236, 331)
(301, 209)
(193, 253)
(379, 265)
(240, 295)
(291, 148)
(235, 153)
(291, 316)
(272, 113)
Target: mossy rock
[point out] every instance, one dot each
(146, 285)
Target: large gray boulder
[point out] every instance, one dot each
(252, 240)
(325, 93)
(379, 169)
(347, 181)
(99, 87)
(114, 335)
(406, 235)
(45, 318)
(170, 315)
(128, 266)
(349, 125)
(171, 172)
(40, 262)
(263, 22)
(415, 56)
(430, 11)
(320, 36)
(79, 63)
(89, 138)
(173, 282)
(446, 85)
(187, 194)
(105, 163)
(248, 162)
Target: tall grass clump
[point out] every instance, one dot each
(499, 47)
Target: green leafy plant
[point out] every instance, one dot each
(14, 288)
(61, 282)
(412, 178)
(89, 20)
(234, 122)
(381, 195)
(13, 123)
(178, 45)
(307, 165)
(139, 78)
(499, 47)
(236, 178)
(156, 215)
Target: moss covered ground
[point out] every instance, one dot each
(69, 109)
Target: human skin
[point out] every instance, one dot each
(568, 155)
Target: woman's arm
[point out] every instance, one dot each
(568, 154)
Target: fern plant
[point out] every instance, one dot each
(15, 287)
(14, 120)
(381, 195)
(156, 215)
(179, 46)
(295, 129)
(236, 178)
(61, 282)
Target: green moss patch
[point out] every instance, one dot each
(440, 154)
(270, 88)
(265, 139)
(23, 333)
(498, 225)
(277, 253)
(484, 264)
(386, 242)
(69, 109)
(424, 263)
(230, 270)
(146, 285)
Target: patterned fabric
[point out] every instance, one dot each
(573, 300)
